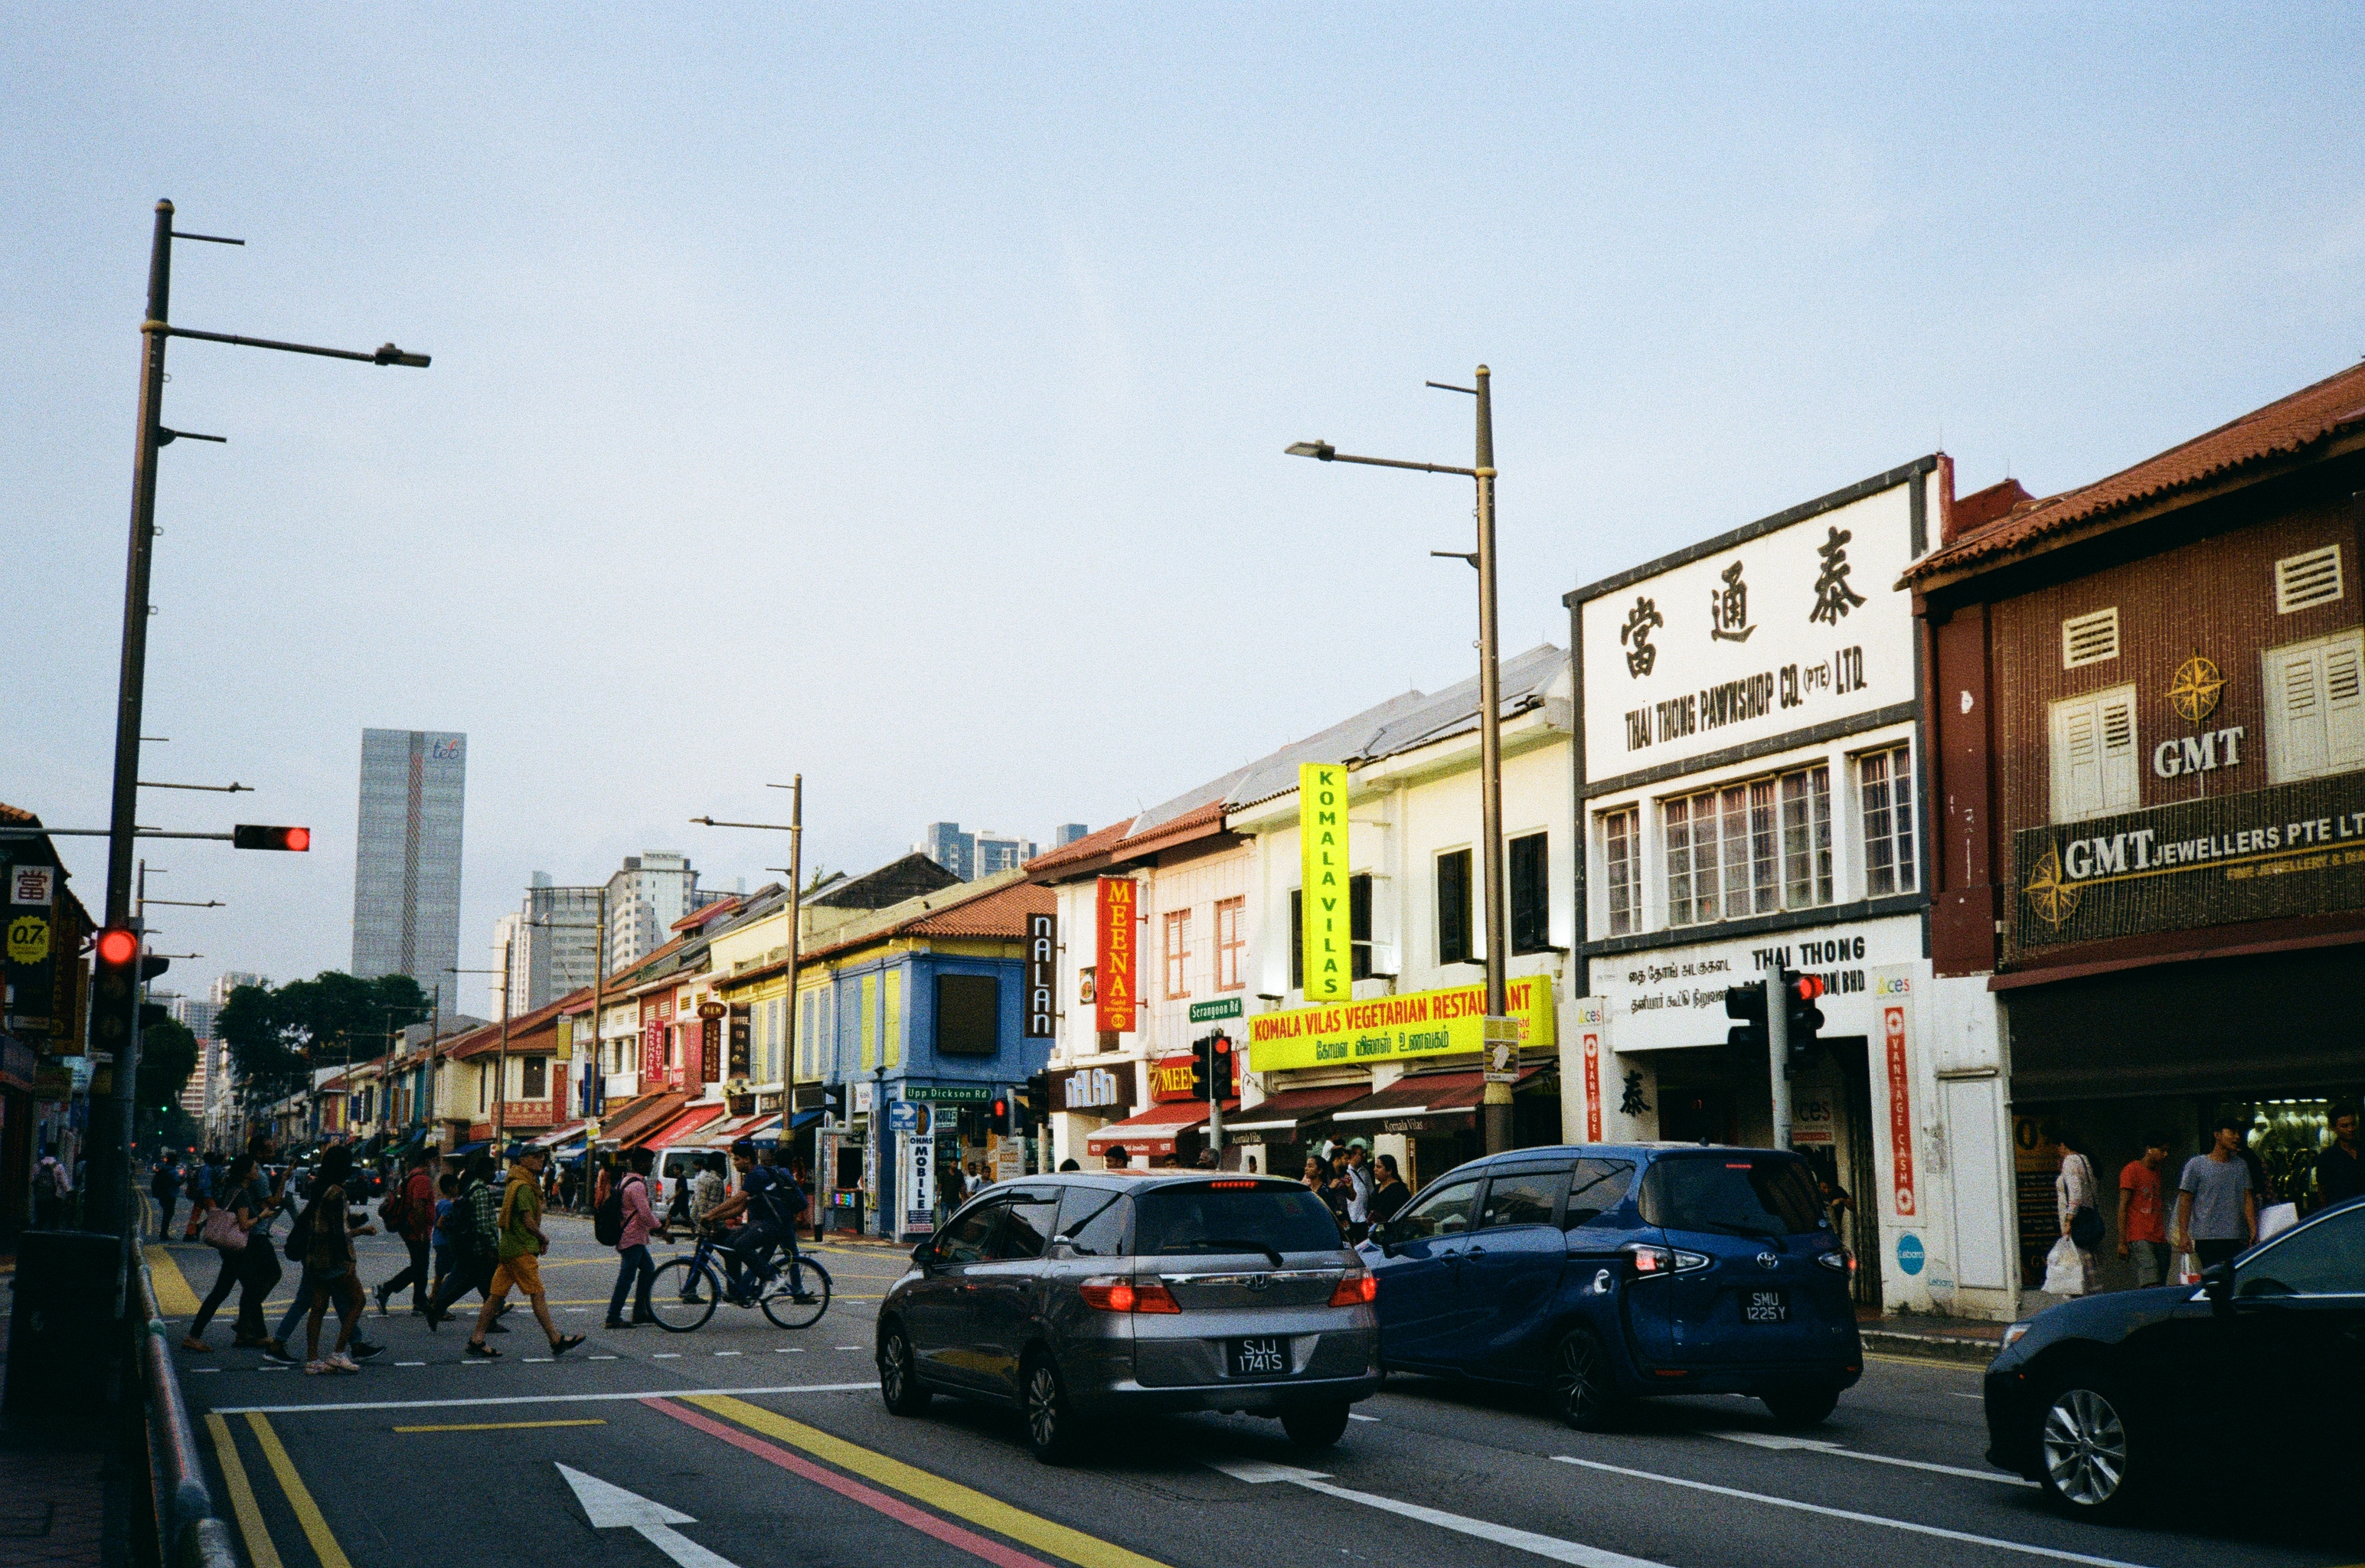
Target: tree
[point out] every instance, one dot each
(278, 1037)
(168, 1054)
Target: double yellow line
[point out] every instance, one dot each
(258, 1549)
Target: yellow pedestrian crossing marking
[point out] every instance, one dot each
(174, 1296)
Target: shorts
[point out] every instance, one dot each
(323, 1278)
(524, 1272)
(2150, 1261)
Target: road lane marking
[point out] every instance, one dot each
(244, 1507)
(948, 1497)
(1777, 1441)
(174, 1296)
(299, 1498)
(870, 1497)
(503, 1425)
(1928, 1363)
(1352, 1417)
(537, 1399)
(1258, 1471)
(610, 1506)
(1906, 1525)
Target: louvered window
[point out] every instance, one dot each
(2311, 578)
(2090, 639)
(2095, 755)
(2315, 707)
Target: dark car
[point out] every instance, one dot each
(2101, 1400)
(1610, 1273)
(1079, 1297)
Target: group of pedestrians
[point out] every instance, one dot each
(1358, 1191)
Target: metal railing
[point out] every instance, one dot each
(188, 1535)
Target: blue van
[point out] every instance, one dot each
(1610, 1273)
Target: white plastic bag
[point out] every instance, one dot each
(2065, 1272)
(2275, 1218)
(2184, 1270)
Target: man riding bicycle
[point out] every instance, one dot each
(771, 1203)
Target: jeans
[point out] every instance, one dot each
(634, 1271)
(754, 1246)
(164, 1218)
(2150, 1261)
(464, 1273)
(233, 1266)
(414, 1276)
(259, 1270)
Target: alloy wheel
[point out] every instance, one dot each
(1043, 1407)
(1580, 1382)
(2085, 1444)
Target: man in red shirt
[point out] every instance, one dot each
(418, 1225)
(2143, 1226)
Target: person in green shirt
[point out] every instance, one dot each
(521, 1246)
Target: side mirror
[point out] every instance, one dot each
(2218, 1283)
(925, 1253)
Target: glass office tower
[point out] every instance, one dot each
(406, 858)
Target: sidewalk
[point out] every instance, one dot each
(52, 1503)
(1950, 1339)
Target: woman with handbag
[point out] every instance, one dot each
(227, 1230)
(2081, 1221)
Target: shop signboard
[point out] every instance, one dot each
(1170, 1079)
(1114, 989)
(1325, 916)
(32, 946)
(1667, 998)
(1894, 996)
(1109, 1089)
(1042, 976)
(653, 1051)
(1395, 1028)
(2289, 850)
(918, 1183)
(741, 1029)
(1592, 1015)
(1812, 1123)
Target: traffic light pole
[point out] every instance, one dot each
(1777, 1051)
(1215, 1099)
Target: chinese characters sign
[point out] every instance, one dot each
(1117, 987)
(1322, 848)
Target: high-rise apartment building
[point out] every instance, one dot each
(406, 858)
(997, 853)
(230, 981)
(949, 847)
(1067, 834)
(970, 855)
(647, 894)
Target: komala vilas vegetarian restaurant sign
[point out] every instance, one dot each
(1390, 1028)
(2292, 850)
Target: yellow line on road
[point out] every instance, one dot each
(174, 1296)
(948, 1496)
(307, 1512)
(258, 1549)
(498, 1425)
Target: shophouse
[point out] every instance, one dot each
(2151, 762)
(44, 1071)
(511, 1084)
(1750, 760)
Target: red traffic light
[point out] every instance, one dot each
(1001, 1108)
(247, 835)
(117, 945)
(1223, 1044)
(1810, 987)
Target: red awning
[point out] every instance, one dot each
(1286, 1112)
(681, 1128)
(1154, 1131)
(1429, 1094)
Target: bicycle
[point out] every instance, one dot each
(686, 1290)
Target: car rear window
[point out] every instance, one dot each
(1222, 1217)
(1737, 1194)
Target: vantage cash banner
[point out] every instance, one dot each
(1389, 1028)
(1322, 846)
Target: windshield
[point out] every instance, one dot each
(1222, 1217)
(1732, 1194)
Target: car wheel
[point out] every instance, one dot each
(1052, 1423)
(899, 1375)
(1584, 1388)
(1316, 1426)
(2090, 1453)
(1802, 1406)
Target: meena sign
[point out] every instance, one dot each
(1115, 980)
(1322, 850)
(1391, 1028)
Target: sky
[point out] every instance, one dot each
(897, 395)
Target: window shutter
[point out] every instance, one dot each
(2090, 639)
(2076, 762)
(2299, 710)
(2344, 707)
(2122, 784)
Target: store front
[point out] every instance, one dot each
(1429, 1120)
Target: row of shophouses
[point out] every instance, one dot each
(2063, 798)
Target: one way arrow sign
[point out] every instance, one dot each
(610, 1506)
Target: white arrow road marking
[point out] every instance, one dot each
(1837, 1450)
(1559, 1550)
(1907, 1525)
(610, 1506)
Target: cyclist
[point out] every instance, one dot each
(771, 1204)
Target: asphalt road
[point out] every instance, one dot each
(747, 1445)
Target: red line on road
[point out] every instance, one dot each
(976, 1545)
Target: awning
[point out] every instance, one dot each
(466, 1149)
(1429, 1094)
(1292, 1109)
(718, 1134)
(763, 1130)
(646, 1115)
(681, 1128)
(805, 1119)
(553, 1139)
(1151, 1133)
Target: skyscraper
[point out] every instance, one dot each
(949, 847)
(407, 857)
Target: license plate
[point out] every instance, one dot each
(1268, 1357)
(1766, 1306)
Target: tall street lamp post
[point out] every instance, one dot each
(1497, 1104)
(110, 1117)
(502, 1061)
(795, 828)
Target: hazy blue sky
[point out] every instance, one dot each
(898, 394)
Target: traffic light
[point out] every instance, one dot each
(997, 1116)
(247, 835)
(833, 1103)
(1035, 1098)
(1746, 1003)
(1225, 1075)
(1798, 994)
(114, 987)
(1202, 1068)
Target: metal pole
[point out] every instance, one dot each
(1777, 1051)
(502, 1071)
(796, 897)
(1497, 1107)
(1215, 1098)
(595, 1100)
(109, 1195)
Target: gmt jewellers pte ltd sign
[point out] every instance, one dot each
(1673, 997)
(2288, 849)
(1792, 628)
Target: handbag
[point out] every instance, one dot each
(2086, 1227)
(223, 1231)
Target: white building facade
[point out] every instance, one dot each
(1750, 767)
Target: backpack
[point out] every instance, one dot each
(299, 1236)
(394, 1209)
(608, 1219)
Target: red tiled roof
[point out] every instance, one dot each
(1084, 848)
(1001, 913)
(698, 917)
(1200, 821)
(2284, 429)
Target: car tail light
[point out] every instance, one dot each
(1115, 1295)
(1354, 1290)
(1838, 1262)
(1651, 1262)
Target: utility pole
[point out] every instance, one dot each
(1777, 1050)
(1497, 1107)
(502, 1072)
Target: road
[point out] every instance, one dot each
(747, 1445)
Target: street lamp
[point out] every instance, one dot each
(502, 1070)
(1497, 1102)
(795, 828)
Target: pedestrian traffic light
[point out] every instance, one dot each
(114, 987)
(1746, 1003)
(997, 1116)
(1799, 993)
(247, 835)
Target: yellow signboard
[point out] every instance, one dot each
(1390, 1028)
(1322, 848)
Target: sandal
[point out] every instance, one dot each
(563, 1344)
(478, 1348)
(191, 1342)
